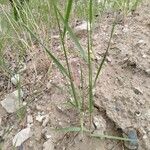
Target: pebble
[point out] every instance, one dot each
(100, 124)
(15, 79)
(141, 41)
(148, 71)
(131, 133)
(137, 90)
(39, 117)
(48, 145)
(11, 102)
(108, 59)
(22, 136)
(144, 56)
(48, 136)
(42, 118)
(82, 27)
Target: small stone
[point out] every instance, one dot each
(100, 124)
(131, 134)
(138, 113)
(145, 136)
(141, 41)
(38, 107)
(137, 90)
(144, 56)
(48, 136)
(21, 137)
(11, 103)
(15, 79)
(82, 28)
(24, 103)
(148, 71)
(48, 145)
(108, 59)
(40, 118)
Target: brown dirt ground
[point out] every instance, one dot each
(122, 94)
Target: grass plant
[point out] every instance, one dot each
(24, 31)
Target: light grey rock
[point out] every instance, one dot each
(15, 79)
(83, 27)
(100, 124)
(22, 136)
(131, 134)
(11, 103)
(137, 90)
(40, 117)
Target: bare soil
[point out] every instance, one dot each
(122, 94)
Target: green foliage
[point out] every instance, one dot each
(25, 29)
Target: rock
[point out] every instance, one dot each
(82, 28)
(131, 133)
(108, 59)
(100, 124)
(137, 90)
(48, 145)
(48, 136)
(144, 56)
(148, 71)
(40, 117)
(141, 41)
(43, 118)
(11, 103)
(24, 103)
(22, 136)
(15, 79)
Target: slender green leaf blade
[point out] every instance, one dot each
(72, 35)
(69, 7)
